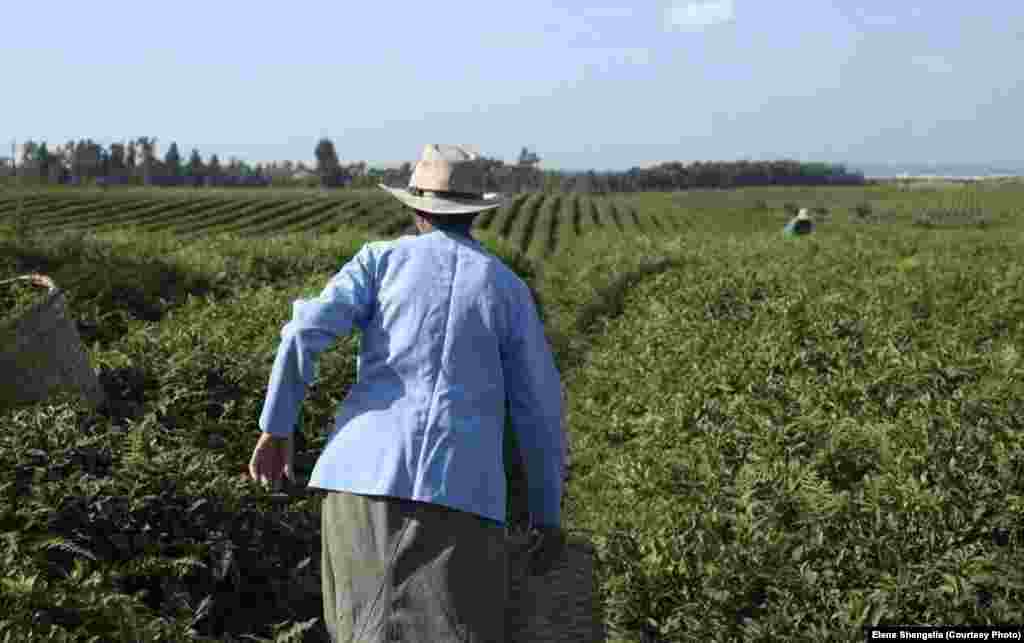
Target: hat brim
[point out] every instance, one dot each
(437, 205)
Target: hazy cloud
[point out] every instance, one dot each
(629, 55)
(608, 58)
(608, 12)
(887, 20)
(933, 64)
(876, 20)
(702, 13)
(594, 27)
(570, 27)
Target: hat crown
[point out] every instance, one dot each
(450, 153)
(448, 168)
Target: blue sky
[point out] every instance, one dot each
(588, 84)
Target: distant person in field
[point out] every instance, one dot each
(801, 224)
(413, 542)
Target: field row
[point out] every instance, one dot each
(537, 224)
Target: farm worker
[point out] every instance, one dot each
(800, 225)
(413, 520)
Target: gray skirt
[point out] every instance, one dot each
(399, 570)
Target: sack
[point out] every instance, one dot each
(41, 352)
(560, 606)
(563, 604)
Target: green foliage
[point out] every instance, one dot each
(769, 442)
(863, 210)
(962, 207)
(195, 164)
(790, 459)
(15, 299)
(21, 222)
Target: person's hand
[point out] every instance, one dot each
(272, 461)
(549, 550)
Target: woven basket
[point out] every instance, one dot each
(41, 352)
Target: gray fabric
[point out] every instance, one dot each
(400, 570)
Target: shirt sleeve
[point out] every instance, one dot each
(347, 300)
(534, 392)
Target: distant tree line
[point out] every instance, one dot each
(525, 176)
(135, 162)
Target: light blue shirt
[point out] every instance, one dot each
(448, 331)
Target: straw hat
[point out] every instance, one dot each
(447, 180)
(802, 215)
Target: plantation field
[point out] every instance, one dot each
(535, 224)
(772, 439)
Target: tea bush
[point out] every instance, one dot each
(770, 441)
(789, 459)
(16, 298)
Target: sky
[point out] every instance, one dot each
(588, 85)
